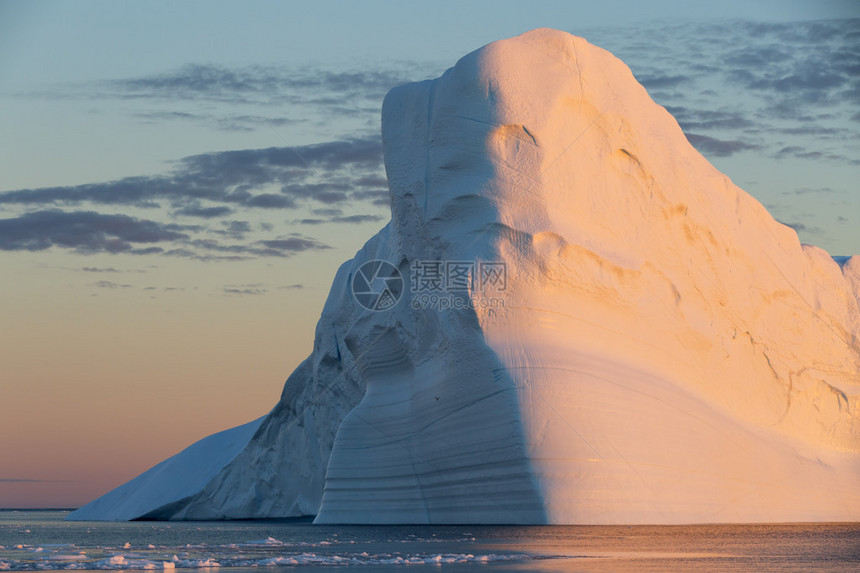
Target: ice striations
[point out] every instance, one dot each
(656, 349)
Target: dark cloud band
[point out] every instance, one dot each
(89, 232)
(233, 178)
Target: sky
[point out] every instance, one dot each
(179, 182)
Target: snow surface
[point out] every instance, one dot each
(666, 352)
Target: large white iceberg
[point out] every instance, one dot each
(593, 325)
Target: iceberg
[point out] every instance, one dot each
(571, 318)
(170, 481)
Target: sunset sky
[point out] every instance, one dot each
(179, 182)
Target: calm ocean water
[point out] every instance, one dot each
(41, 540)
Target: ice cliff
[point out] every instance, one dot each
(629, 338)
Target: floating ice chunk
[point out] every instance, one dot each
(271, 541)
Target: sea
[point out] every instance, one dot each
(40, 540)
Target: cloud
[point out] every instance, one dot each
(278, 163)
(798, 152)
(83, 231)
(718, 147)
(810, 190)
(327, 211)
(88, 232)
(235, 229)
(271, 201)
(659, 81)
(807, 74)
(235, 95)
(797, 64)
(206, 187)
(138, 191)
(111, 285)
(259, 84)
(244, 291)
(204, 212)
(377, 197)
(225, 120)
(803, 228)
(99, 270)
(350, 219)
(148, 251)
(231, 178)
(796, 226)
(799, 80)
(256, 288)
(820, 131)
(371, 181)
(693, 119)
(211, 250)
(794, 87)
(293, 244)
(245, 98)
